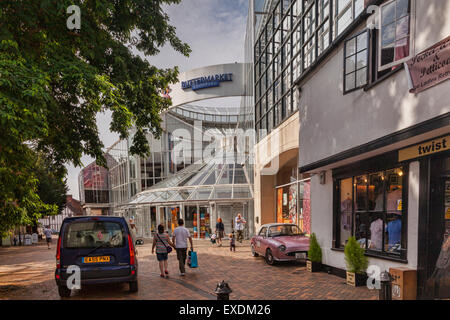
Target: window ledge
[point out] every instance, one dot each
(375, 83)
(378, 256)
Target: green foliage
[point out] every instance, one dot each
(52, 187)
(314, 252)
(54, 82)
(355, 259)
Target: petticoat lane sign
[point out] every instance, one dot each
(206, 82)
(429, 67)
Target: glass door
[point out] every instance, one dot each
(438, 271)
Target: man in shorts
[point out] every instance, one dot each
(48, 236)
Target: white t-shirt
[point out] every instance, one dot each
(48, 233)
(181, 235)
(376, 231)
(239, 225)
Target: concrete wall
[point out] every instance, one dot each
(322, 222)
(331, 122)
(271, 153)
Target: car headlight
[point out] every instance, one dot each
(282, 248)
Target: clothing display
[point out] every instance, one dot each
(379, 203)
(346, 214)
(376, 234)
(394, 231)
(393, 199)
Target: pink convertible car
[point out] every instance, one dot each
(280, 242)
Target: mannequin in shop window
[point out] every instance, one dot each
(376, 233)
(393, 199)
(346, 219)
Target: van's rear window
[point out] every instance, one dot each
(92, 234)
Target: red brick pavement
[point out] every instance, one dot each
(27, 273)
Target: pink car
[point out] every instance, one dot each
(280, 242)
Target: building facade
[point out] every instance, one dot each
(369, 106)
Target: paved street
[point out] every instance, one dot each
(27, 273)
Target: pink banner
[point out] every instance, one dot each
(430, 67)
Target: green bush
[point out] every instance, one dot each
(314, 252)
(354, 257)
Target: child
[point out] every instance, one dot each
(213, 238)
(232, 242)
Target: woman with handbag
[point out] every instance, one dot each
(163, 245)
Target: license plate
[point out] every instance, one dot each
(101, 259)
(300, 255)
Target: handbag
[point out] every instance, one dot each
(169, 249)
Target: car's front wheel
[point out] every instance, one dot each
(254, 254)
(269, 257)
(64, 292)
(133, 286)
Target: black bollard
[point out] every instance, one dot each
(223, 291)
(386, 286)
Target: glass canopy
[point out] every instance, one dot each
(217, 179)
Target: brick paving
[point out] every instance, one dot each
(27, 273)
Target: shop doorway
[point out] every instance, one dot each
(436, 272)
(205, 222)
(190, 219)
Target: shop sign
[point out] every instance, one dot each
(425, 149)
(206, 82)
(429, 67)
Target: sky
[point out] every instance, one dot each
(215, 31)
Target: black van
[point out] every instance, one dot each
(102, 247)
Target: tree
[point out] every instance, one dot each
(54, 81)
(52, 186)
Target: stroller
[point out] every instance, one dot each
(213, 238)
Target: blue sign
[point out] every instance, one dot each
(206, 82)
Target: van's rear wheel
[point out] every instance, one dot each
(133, 286)
(64, 292)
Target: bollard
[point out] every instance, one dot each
(223, 291)
(386, 286)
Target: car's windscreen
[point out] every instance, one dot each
(288, 230)
(92, 234)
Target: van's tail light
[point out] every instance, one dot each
(131, 248)
(58, 254)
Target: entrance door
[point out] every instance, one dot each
(438, 264)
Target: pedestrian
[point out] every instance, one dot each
(232, 242)
(179, 238)
(162, 241)
(220, 230)
(239, 226)
(48, 236)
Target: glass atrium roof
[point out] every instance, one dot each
(202, 181)
(209, 114)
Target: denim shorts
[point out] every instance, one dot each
(161, 256)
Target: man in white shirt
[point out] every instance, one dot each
(48, 236)
(179, 238)
(239, 226)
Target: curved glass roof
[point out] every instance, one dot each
(217, 179)
(209, 114)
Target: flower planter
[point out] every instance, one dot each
(356, 279)
(313, 266)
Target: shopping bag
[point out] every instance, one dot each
(193, 259)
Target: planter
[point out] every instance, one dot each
(313, 266)
(356, 279)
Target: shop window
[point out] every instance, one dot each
(395, 34)
(371, 209)
(356, 62)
